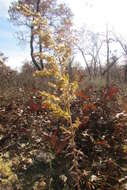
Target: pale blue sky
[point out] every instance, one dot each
(8, 43)
(94, 13)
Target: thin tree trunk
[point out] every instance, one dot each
(40, 65)
(32, 50)
(107, 43)
(85, 62)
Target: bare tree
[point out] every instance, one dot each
(123, 44)
(100, 52)
(89, 45)
(108, 54)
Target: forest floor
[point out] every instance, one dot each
(24, 125)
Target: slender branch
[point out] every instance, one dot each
(124, 46)
(83, 55)
(109, 67)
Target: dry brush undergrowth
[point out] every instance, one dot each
(39, 145)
